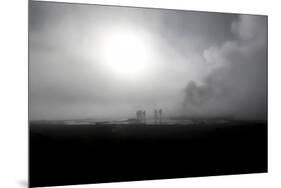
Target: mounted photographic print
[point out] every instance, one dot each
(125, 93)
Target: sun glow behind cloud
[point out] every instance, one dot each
(126, 52)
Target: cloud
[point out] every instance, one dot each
(236, 83)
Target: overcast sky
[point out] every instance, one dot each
(196, 63)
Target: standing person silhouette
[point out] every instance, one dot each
(155, 116)
(139, 116)
(160, 116)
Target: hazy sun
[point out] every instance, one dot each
(126, 52)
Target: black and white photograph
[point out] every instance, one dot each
(120, 93)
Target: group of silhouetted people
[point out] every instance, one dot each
(158, 116)
(141, 116)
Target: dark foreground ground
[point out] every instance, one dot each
(78, 154)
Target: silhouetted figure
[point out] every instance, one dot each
(155, 116)
(138, 116)
(160, 116)
(143, 115)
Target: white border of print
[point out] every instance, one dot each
(13, 95)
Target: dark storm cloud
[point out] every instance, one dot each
(67, 78)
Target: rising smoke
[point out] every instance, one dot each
(236, 83)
